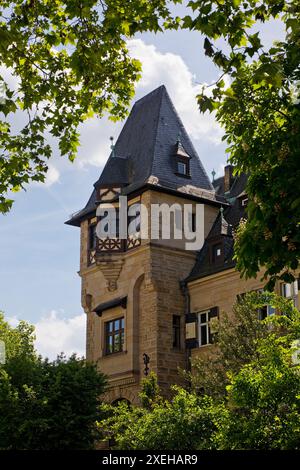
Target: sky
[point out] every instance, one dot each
(39, 254)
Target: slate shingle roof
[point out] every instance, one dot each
(146, 147)
(222, 230)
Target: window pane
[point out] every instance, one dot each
(203, 318)
(92, 237)
(217, 251)
(114, 335)
(271, 310)
(193, 222)
(181, 168)
(134, 219)
(203, 331)
(263, 312)
(116, 342)
(295, 286)
(110, 344)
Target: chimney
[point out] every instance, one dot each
(228, 177)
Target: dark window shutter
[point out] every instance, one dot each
(193, 342)
(213, 313)
(191, 317)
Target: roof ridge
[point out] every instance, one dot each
(164, 90)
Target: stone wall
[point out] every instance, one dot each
(150, 278)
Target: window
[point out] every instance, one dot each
(176, 331)
(134, 219)
(109, 223)
(92, 237)
(290, 291)
(181, 168)
(193, 222)
(265, 311)
(203, 319)
(114, 336)
(216, 252)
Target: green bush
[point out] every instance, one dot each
(46, 405)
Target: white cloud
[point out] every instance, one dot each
(56, 334)
(171, 70)
(13, 321)
(95, 142)
(52, 175)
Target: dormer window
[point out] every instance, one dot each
(182, 168)
(216, 253)
(182, 160)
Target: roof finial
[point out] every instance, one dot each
(213, 175)
(179, 138)
(112, 146)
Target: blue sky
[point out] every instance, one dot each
(39, 255)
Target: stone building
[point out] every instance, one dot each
(149, 300)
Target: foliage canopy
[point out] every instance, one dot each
(45, 405)
(71, 61)
(257, 408)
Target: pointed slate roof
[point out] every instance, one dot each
(146, 148)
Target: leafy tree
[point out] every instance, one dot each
(264, 398)
(46, 405)
(186, 422)
(150, 391)
(71, 61)
(236, 342)
(261, 408)
(19, 341)
(260, 113)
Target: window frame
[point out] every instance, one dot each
(200, 324)
(216, 259)
(294, 291)
(181, 166)
(112, 334)
(92, 236)
(186, 162)
(265, 314)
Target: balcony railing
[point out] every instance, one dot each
(113, 245)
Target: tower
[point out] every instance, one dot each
(131, 285)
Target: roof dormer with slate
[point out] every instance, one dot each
(218, 250)
(153, 149)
